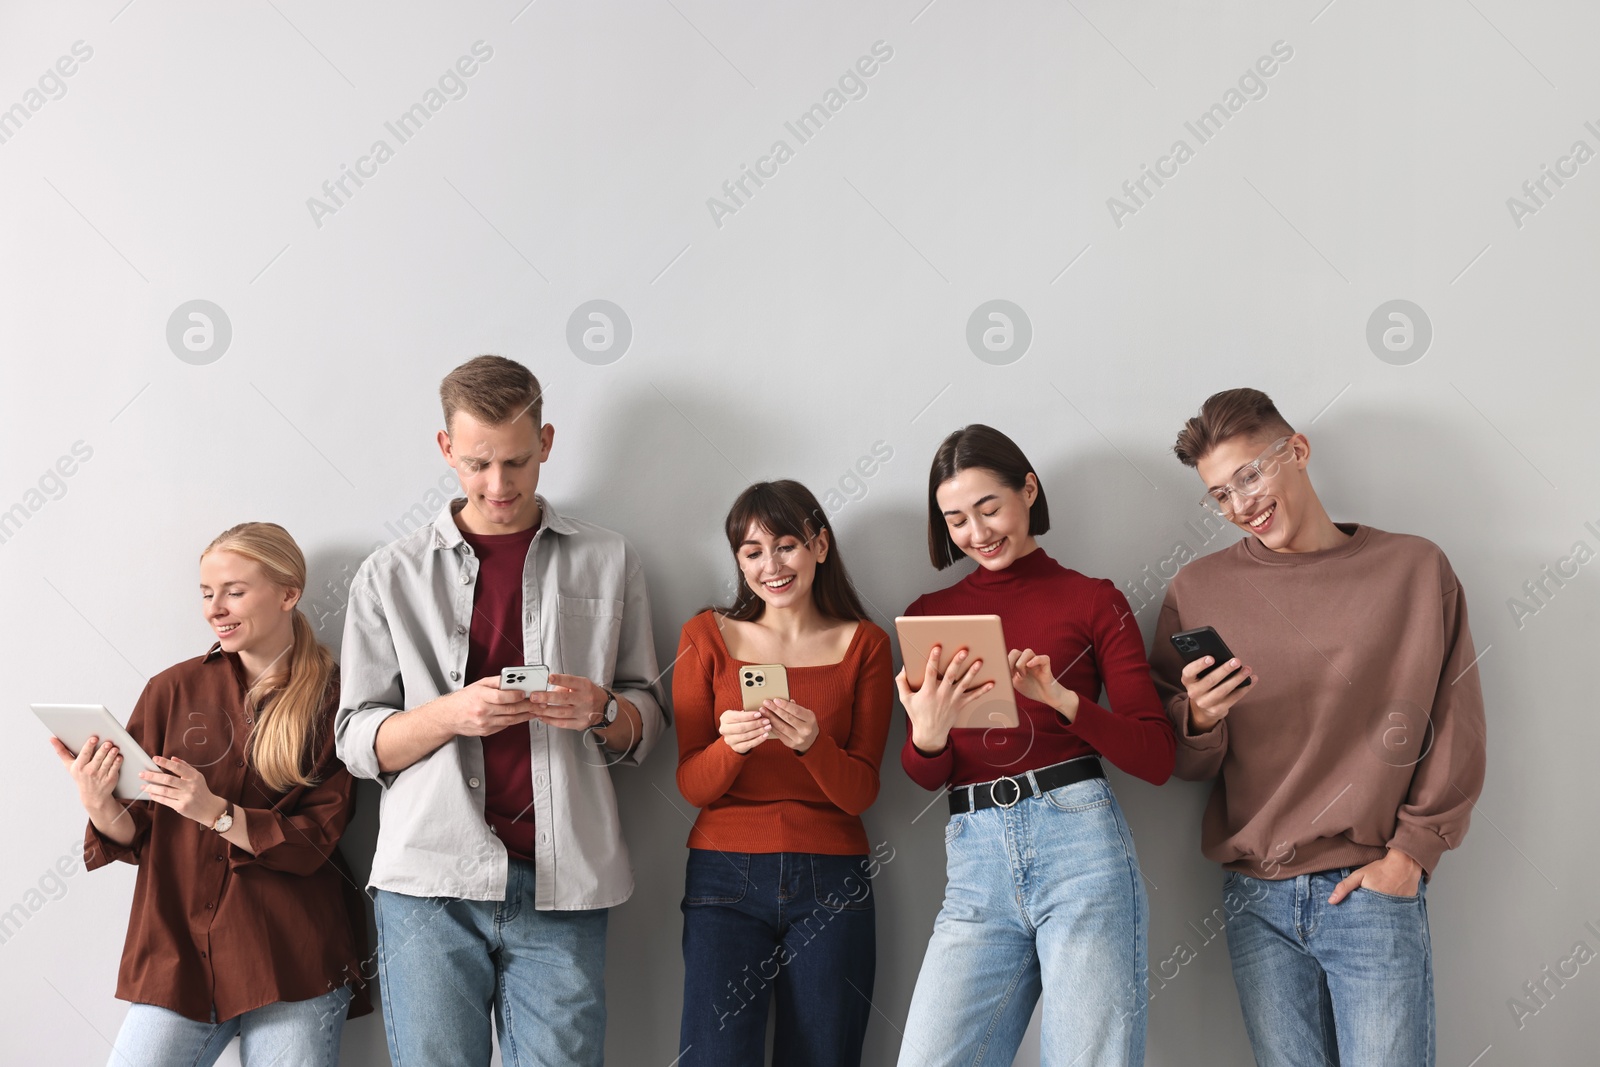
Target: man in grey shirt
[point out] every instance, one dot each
(499, 846)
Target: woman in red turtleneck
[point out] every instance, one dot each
(1043, 895)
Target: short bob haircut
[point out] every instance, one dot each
(981, 447)
(787, 509)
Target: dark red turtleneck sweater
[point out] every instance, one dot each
(1087, 629)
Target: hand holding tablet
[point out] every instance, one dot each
(75, 725)
(985, 699)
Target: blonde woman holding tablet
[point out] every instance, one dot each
(245, 920)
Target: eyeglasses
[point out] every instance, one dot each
(1248, 480)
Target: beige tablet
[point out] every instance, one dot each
(983, 639)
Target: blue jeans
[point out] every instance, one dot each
(302, 1032)
(795, 927)
(1341, 985)
(1043, 898)
(445, 964)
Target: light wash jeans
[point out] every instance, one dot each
(301, 1033)
(1041, 898)
(1334, 985)
(445, 964)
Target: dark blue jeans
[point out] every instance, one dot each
(794, 927)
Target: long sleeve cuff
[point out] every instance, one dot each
(277, 843)
(1420, 843)
(1216, 737)
(930, 772)
(358, 744)
(652, 723)
(99, 850)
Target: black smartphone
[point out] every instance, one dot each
(1204, 641)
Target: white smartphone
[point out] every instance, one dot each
(74, 724)
(531, 678)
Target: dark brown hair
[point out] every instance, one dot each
(493, 390)
(787, 509)
(1226, 415)
(978, 447)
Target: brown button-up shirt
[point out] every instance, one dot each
(214, 927)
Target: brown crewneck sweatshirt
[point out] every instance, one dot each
(1364, 728)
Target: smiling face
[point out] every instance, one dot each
(987, 519)
(248, 612)
(780, 570)
(498, 465)
(1275, 515)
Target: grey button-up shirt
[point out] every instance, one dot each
(584, 611)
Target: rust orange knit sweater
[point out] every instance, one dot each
(770, 799)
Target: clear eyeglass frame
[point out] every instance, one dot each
(1249, 480)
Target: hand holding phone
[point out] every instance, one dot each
(1214, 678)
(482, 708)
(532, 678)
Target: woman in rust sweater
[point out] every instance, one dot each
(778, 901)
(245, 919)
(1044, 899)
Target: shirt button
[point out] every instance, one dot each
(460, 629)
(219, 857)
(240, 763)
(208, 907)
(465, 578)
(455, 676)
(473, 782)
(202, 955)
(248, 720)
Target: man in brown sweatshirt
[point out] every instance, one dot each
(1346, 738)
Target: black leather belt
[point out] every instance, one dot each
(1006, 792)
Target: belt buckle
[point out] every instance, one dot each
(996, 801)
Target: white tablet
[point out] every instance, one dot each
(74, 724)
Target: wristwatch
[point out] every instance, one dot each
(608, 716)
(224, 821)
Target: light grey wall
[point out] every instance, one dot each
(827, 313)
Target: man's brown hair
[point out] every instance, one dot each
(1226, 415)
(493, 390)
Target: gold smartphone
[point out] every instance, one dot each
(762, 681)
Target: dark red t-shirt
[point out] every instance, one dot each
(494, 643)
